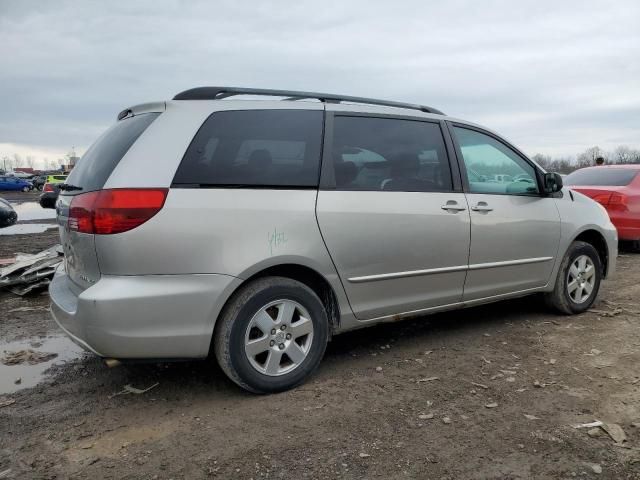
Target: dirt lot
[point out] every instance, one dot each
(489, 392)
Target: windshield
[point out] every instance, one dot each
(611, 177)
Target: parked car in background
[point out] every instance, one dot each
(616, 188)
(14, 183)
(50, 190)
(8, 215)
(22, 175)
(38, 181)
(276, 224)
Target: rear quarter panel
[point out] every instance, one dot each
(236, 232)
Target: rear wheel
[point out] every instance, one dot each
(272, 335)
(578, 279)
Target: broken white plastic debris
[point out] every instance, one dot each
(597, 423)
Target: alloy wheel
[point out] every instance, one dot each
(278, 337)
(581, 279)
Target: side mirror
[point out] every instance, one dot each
(552, 183)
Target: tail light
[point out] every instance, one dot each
(602, 198)
(618, 201)
(106, 212)
(47, 187)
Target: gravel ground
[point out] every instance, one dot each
(488, 392)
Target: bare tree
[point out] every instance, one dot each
(588, 157)
(543, 160)
(17, 160)
(31, 161)
(7, 163)
(624, 154)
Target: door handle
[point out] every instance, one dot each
(453, 206)
(481, 207)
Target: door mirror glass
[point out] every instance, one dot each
(552, 182)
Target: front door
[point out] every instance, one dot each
(394, 224)
(515, 230)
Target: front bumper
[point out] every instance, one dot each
(138, 317)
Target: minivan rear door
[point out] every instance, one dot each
(392, 213)
(90, 174)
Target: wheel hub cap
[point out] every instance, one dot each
(581, 279)
(279, 337)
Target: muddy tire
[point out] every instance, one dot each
(271, 335)
(578, 280)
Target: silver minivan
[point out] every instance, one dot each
(254, 229)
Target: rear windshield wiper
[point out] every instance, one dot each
(67, 187)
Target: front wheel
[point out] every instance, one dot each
(271, 335)
(25, 189)
(578, 280)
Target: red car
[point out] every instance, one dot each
(617, 188)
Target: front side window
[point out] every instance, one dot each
(389, 155)
(255, 148)
(492, 167)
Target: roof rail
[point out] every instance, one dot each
(217, 93)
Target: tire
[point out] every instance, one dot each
(569, 296)
(25, 189)
(250, 344)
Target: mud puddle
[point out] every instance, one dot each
(33, 211)
(29, 369)
(22, 228)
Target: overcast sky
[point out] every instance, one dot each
(554, 77)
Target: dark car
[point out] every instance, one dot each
(51, 190)
(49, 195)
(39, 181)
(8, 215)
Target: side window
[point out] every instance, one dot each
(263, 148)
(492, 167)
(389, 155)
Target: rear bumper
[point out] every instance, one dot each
(48, 199)
(628, 227)
(137, 317)
(611, 238)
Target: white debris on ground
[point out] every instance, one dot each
(30, 272)
(33, 211)
(25, 228)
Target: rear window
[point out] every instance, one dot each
(254, 148)
(389, 154)
(95, 166)
(610, 177)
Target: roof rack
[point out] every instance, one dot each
(217, 93)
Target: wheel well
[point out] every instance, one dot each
(311, 279)
(599, 243)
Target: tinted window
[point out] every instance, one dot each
(95, 166)
(277, 148)
(390, 155)
(601, 176)
(492, 167)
